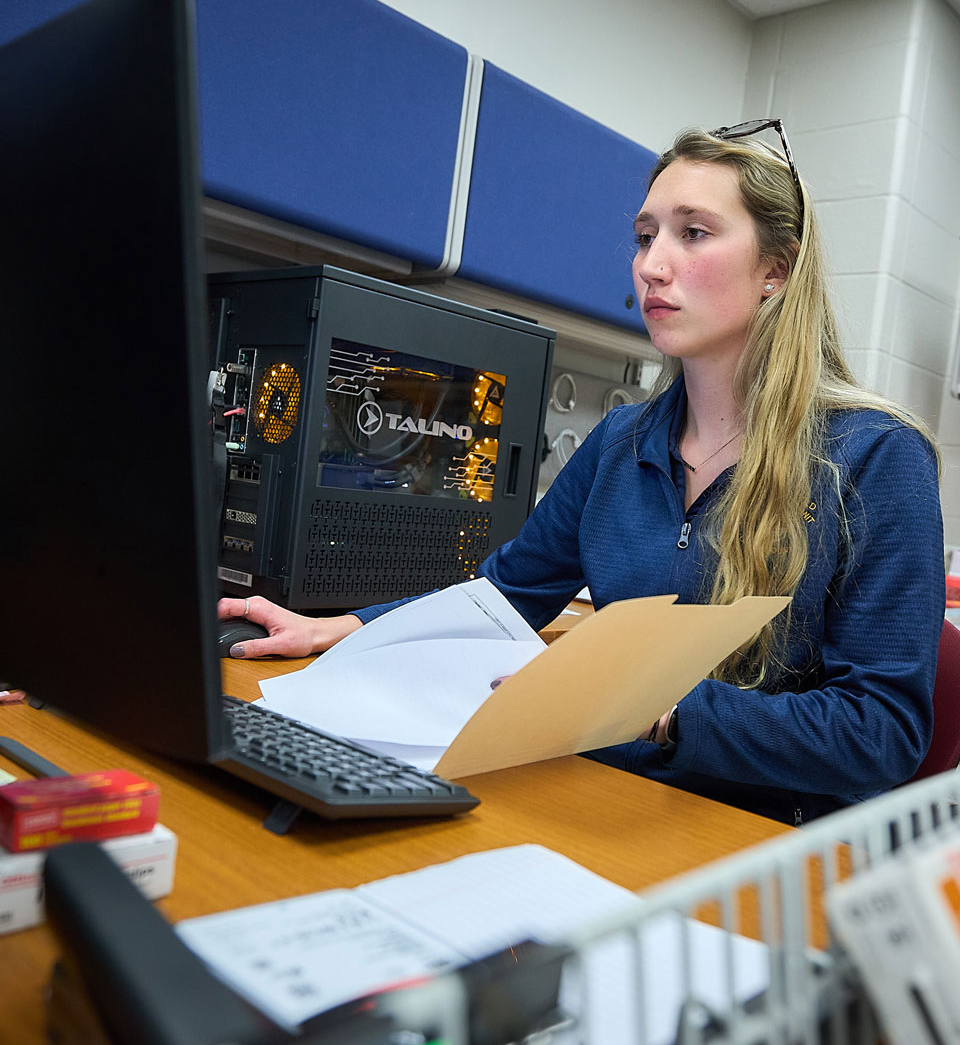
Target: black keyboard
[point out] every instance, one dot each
(329, 775)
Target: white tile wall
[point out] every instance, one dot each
(918, 389)
(815, 91)
(762, 70)
(933, 188)
(881, 380)
(870, 92)
(866, 306)
(853, 232)
(922, 331)
(941, 112)
(934, 241)
(869, 366)
(866, 159)
(950, 481)
(931, 257)
(939, 23)
(949, 428)
(832, 29)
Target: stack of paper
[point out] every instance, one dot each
(406, 683)
(299, 957)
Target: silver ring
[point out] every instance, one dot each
(246, 607)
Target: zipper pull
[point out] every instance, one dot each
(684, 535)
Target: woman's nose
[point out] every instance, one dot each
(651, 265)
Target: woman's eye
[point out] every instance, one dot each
(644, 239)
(694, 234)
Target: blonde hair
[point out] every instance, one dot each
(790, 377)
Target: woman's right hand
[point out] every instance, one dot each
(291, 634)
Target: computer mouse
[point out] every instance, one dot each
(238, 630)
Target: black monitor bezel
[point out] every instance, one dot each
(108, 528)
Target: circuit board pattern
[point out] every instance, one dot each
(474, 472)
(351, 372)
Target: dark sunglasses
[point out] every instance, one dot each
(745, 130)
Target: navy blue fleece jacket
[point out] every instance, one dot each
(851, 713)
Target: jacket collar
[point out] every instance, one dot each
(658, 429)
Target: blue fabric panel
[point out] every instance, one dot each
(339, 115)
(552, 201)
(20, 16)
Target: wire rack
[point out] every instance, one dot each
(740, 951)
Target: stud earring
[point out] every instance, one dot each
(768, 288)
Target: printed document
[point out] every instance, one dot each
(296, 958)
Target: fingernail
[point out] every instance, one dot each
(236, 651)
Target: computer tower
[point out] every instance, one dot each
(381, 441)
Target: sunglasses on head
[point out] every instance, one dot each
(745, 130)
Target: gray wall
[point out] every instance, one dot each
(869, 90)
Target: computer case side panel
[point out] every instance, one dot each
(264, 339)
(411, 450)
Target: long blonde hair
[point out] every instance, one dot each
(790, 377)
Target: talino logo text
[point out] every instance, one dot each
(370, 420)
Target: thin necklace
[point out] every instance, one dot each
(706, 460)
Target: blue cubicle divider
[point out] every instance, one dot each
(338, 116)
(552, 199)
(341, 116)
(20, 16)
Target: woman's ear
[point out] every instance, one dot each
(774, 278)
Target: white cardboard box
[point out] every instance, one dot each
(147, 859)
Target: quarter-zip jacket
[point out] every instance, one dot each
(850, 713)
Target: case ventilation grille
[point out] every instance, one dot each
(378, 552)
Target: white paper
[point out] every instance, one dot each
(413, 677)
(488, 901)
(418, 692)
(423, 756)
(296, 958)
(619, 972)
(472, 610)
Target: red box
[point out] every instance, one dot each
(953, 590)
(35, 814)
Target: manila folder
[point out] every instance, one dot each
(605, 681)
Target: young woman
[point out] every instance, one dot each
(758, 467)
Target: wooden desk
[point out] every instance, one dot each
(629, 829)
